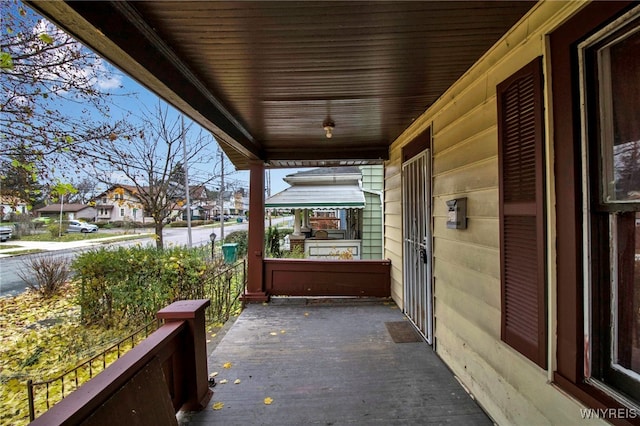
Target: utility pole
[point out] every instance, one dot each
(221, 196)
(268, 172)
(186, 184)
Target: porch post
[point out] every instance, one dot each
(305, 221)
(255, 272)
(193, 365)
(296, 222)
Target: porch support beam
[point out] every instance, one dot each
(255, 273)
(296, 222)
(306, 227)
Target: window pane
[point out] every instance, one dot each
(628, 291)
(619, 68)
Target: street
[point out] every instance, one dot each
(11, 284)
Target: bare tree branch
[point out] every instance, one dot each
(149, 162)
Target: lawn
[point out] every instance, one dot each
(41, 338)
(79, 236)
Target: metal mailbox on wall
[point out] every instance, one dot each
(457, 213)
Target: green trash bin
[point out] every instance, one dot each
(239, 220)
(230, 252)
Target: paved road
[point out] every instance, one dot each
(11, 284)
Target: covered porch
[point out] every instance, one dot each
(331, 362)
(282, 86)
(323, 93)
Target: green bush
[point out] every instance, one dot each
(129, 285)
(272, 243)
(296, 253)
(127, 224)
(240, 238)
(183, 223)
(55, 230)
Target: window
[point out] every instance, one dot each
(522, 225)
(121, 212)
(610, 88)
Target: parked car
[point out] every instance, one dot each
(5, 233)
(77, 226)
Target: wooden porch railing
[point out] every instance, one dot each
(307, 277)
(150, 383)
(71, 379)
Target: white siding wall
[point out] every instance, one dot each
(466, 271)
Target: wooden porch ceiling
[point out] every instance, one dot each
(264, 76)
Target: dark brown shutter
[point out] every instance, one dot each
(522, 226)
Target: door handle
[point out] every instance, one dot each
(423, 255)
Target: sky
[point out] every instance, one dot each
(147, 99)
(131, 99)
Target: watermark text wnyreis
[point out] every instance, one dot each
(609, 413)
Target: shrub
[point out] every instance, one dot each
(273, 242)
(129, 285)
(183, 223)
(296, 253)
(223, 286)
(127, 224)
(55, 230)
(240, 238)
(22, 225)
(45, 274)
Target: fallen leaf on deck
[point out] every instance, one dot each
(283, 331)
(268, 401)
(227, 365)
(218, 405)
(223, 381)
(236, 382)
(273, 333)
(306, 314)
(214, 374)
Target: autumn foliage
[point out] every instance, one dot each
(113, 292)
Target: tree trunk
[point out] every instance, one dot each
(158, 227)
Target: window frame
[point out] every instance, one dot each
(569, 373)
(605, 221)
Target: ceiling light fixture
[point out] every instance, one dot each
(328, 126)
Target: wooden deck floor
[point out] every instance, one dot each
(330, 365)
